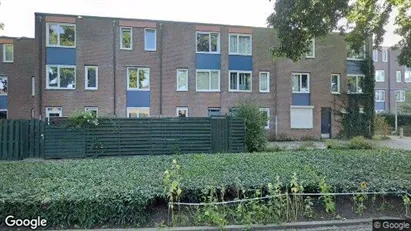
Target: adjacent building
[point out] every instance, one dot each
(139, 68)
(391, 80)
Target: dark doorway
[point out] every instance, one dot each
(325, 122)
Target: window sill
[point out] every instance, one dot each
(90, 89)
(265, 92)
(302, 128)
(131, 89)
(150, 50)
(204, 91)
(240, 54)
(309, 57)
(354, 59)
(234, 91)
(8, 61)
(181, 90)
(56, 46)
(302, 107)
(299, 92)
(355, 93)
(126, 49)
(209, 53)
(61, 89)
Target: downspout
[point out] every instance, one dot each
(389, 80)
(114, 68)
(40, 63)
(276, 98)
(161, 69)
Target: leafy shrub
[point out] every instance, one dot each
(335, 144)
(255, 120)
(403, 119)
(381, 126)
(109, 192)
(81, 119)
(359, 142)
(307, 145)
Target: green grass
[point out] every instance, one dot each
(109, 185)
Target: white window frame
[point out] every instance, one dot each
(238, 44)
(268, 81)
(183, 109)
(379, 80)
(137, 109)
(375, 54)
(138, 88)
(267, 109)
(89, 109)
(181, 69)
(301, 81)
(209, 34)
(357, 59)
(357, 82)
(401, 93)
(155, 39)
(121, 38)
(58, 35)
(58, 110)
(4, 53)
(382, 92)
(86, 68)
(33, 86)
(58, 77)
(313, 44)
(209, 71)
(398, 76)
(5, 76)
(238, 80)
(384, 57)
(407, 73)
(338, 84)
(7, 112)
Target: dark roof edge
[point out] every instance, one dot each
(142, 19)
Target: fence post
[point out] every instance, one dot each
(401, 133)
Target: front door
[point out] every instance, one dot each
(325, 122)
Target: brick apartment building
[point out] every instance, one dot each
(391, 80)
(139, 68)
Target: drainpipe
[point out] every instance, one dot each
(161, 69)
(389, 80)
(40, 63)
(276, 98)
(114, 67)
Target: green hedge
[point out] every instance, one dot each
(403, 120)
(117, 192)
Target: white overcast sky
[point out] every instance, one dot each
(18, 15)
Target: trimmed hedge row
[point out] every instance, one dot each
(403, 120)
(118, 192)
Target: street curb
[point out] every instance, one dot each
(291, 225)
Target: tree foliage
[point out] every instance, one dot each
(1, 24)
(303, 20)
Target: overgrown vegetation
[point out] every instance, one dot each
(81, 119)
(255, 120)
(382, 128)
(118, 192)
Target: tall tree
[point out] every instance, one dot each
(298, 21)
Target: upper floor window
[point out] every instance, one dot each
(301, 82)
(407, 75)
(92, 110)
(375, 55)
(182, 80)
(240, 81)
(8, 53)
(379, 95)
(182, 111)
(208, 42)
(138, 78)
(335, 83)
(126, 38)
(384, 55)
(61, 77)
(61, 35)
(91, 77)
(398, 76)
(400, 95)
(150, 39)
(240, 44)
(3, 85)
(352, 55)
(379, 75)
(355, 84)
(264, 81)
(208, 80)
(311, 49)
(54, 112)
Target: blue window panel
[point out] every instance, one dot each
(150, 39)
(3, 101)
(208, 61)
(301, 99)
(60, 56)
(354, 67)
(138, 99)
(380, 106)
(240, 62)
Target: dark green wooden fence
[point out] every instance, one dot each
(113, 137)
(21, 139)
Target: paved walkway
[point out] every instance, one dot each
(395, 142)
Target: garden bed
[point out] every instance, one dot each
(119, 192)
